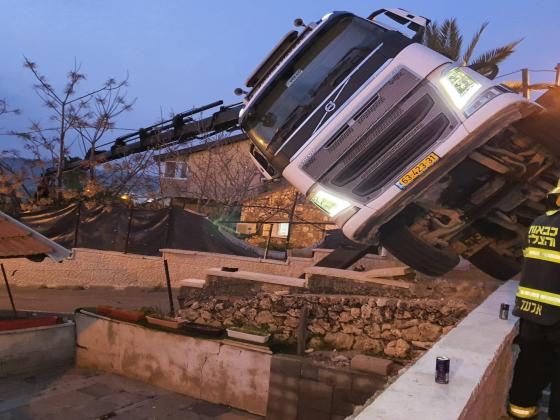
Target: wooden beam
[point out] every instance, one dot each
(355, 276)
(388, 272)
(258, 277)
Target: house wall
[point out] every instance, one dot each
(302, 235)
(226, 174)
(213, 172)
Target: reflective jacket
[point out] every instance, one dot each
(538, 296)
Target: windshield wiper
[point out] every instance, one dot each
(292, 121)
(343, 69)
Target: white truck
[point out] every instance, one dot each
(397, 144)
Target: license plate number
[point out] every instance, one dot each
(418, 170)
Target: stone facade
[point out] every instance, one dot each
(390, 327)
(301, 235)
(215, 170)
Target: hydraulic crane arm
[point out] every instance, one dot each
(179, 129)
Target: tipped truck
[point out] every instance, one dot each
(397, 144)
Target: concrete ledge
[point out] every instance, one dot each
(32, 349)
(114, 253)
(228, 256)
(258, 277)
(481, 359)
(195, 283)
(206, 369)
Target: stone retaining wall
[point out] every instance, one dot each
(399, 328)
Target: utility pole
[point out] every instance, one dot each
(525, 83)
(557, 80)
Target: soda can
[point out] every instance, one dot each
(442, 370)
(504, 311)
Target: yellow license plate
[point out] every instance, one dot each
(418, 170)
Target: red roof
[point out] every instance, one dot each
(17, 240)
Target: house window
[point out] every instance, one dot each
(283, 229)
(175, 169)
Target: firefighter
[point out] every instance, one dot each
(538, 306)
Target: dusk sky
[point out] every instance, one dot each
(181, 54)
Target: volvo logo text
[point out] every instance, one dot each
(330, 106)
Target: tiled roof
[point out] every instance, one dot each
(17, 240)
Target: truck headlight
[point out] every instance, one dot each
(459, 86)
(327, 202)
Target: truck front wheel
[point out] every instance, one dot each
(397, 238)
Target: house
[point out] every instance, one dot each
(217, 177)
(213, 171)
(267, 218)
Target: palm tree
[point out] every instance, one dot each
(448, 40)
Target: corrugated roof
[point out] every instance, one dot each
(18, 240)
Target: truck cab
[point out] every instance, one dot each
(381, 133)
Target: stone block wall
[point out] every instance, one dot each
(397, 328)
(302, 390)
(88, 267)
(302, 235)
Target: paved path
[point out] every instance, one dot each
(77, 394)
(68, 299)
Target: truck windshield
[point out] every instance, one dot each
(309, 78)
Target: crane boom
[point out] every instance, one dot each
(181, 128)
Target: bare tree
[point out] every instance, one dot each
(89, 114)
(221, 173)
(103, 109)
(6, 109)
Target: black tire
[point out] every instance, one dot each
(494, 264)
(413, 251)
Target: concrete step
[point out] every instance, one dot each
(192, 282)
(258, 277)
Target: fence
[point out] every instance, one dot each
(130, 229)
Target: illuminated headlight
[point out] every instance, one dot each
(459, 86)
(327, 202)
